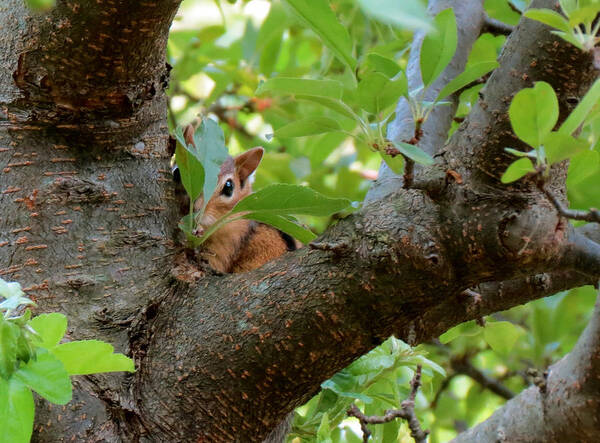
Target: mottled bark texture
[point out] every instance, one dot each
(88, 225)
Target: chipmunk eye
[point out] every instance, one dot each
(227, 190)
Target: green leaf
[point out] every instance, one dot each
(324, 430)
(395, 163)
(408, 14)
(502, 335)
(9, 336)
(386, 66)
(91, 357)
(320, 18)
(414, 153)
(517, 169)
(284, 199)
(567, 36)
(212, 152)
(582, 166)
(583, 15)
(533, 113)
(438, 47)
(559, 146)
(47, 376)
(569, 6)
(578, 116)
(41, 5)
(190, 167)
(303, 86)
(297, 231)
(471, 74)
(376, 92)
(51, 328)
(308, 126)
(16, 412)
(467, 329)
(548, 17)
(335, 105)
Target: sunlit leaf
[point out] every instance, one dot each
(91, 357)
(502, 335)
(414, 153)
(386, 66)
(319, 17)
(47, 376)
(308, 126)
(533, 113)
(16, 411)
(438, 47)
(548, 17)
(297, 231)
(517, 169)
(335, 105)
(303, 86)
(50, 327)
(560, 146)
(190, 168)
(408, 14)
(284, 199)
(470, 74)
(582, 166)
(579, 115)
(376, 91)
(9, 335)
(395, 163)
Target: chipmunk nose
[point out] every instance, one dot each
(199, 231)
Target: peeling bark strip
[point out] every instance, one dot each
(89, 224)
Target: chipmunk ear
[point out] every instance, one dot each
(188, 135)
(247, 162)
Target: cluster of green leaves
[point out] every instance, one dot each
(378, 379)
(363, 101)
(578, 27)
(33, 359)
(199, 165)
(533, 114)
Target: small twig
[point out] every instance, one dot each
(593, 215)
(496, 27)
(440, 391)
(407, 412)
(465, 367)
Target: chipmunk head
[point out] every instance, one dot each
(234, 183)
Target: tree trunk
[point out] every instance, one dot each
(89, 227)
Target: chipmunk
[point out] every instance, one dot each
(241, 245)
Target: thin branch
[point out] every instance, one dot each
(593, 215)
(407, 412)
(465, 367)
(445, 384)
(496, 27)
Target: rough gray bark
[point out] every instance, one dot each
(89, 226)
